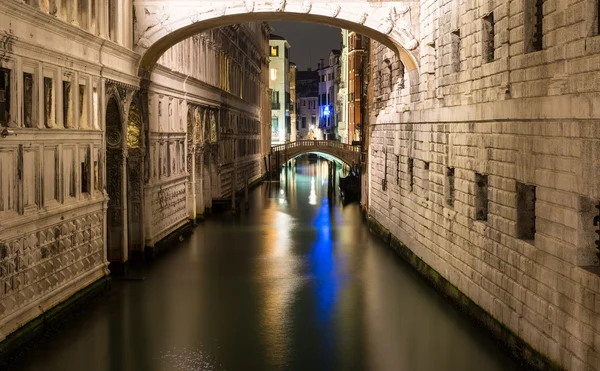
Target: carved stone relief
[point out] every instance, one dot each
(30, 264)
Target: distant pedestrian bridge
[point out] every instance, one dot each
(346, 153)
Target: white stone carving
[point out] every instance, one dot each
(335, 10)
(279, 5)
(363, 18)
(154, 19)
(307, 6)
(250, 4)
(221, 11)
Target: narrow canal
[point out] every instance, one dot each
(296, 283)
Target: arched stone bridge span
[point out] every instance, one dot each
(344, 152)
(160, 24)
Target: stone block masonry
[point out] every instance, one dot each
(502, 116)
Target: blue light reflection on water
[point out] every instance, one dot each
(323, 263)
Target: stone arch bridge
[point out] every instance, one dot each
(160, 24)
(346, 153)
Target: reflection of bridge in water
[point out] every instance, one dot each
(346, 153)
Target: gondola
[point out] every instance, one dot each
(350, 187)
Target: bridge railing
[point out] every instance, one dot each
(315, 144)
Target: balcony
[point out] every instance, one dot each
(275, 105)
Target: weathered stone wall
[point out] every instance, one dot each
(453, 154)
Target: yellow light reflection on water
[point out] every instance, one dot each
(278, 270)
(312, 198)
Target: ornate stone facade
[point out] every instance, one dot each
(199, 139)
(93, 161)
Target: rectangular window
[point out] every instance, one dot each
(488, 38)
(67, 105)
(450, 186)
(28, 100)
(49, 103)
(85, 170)
(93, 17)
(273, 73)
(83, 107)
(425, 180)
(83, 14)
(4, 96)
(533, 25)
(481, 197)
(274, 51)
(112, 20)
(525, 211)
(313, 120)
(95, 107)
(455, 37)
(303, 122)
(411, 178)
(96, 171)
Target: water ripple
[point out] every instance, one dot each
(188, 360)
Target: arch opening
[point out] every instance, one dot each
(327, 156)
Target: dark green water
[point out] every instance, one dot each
(297, 283)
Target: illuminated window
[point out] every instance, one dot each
(273, 73)
(274, 51)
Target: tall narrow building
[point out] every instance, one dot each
(356, 77)
(279, 83)
(342, 94)
(328, 88)
(307, 92)
(291, 104)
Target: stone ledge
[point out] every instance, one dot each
(38, 326)
(517, 347)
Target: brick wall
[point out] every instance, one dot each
(521, 120)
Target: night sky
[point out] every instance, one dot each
(309, 41)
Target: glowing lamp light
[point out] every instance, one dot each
(326, 111)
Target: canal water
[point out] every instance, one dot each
(296, 283)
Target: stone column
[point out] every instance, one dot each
(124, 209)
(199, 189)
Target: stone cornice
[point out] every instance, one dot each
(33, 16)
(122, 84)
(198, 83)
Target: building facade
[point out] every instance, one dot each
(292, 103)
(341, 102)
(96, 165)
(357, 76)
(307, 107)
(328, 91)
(279, 83)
